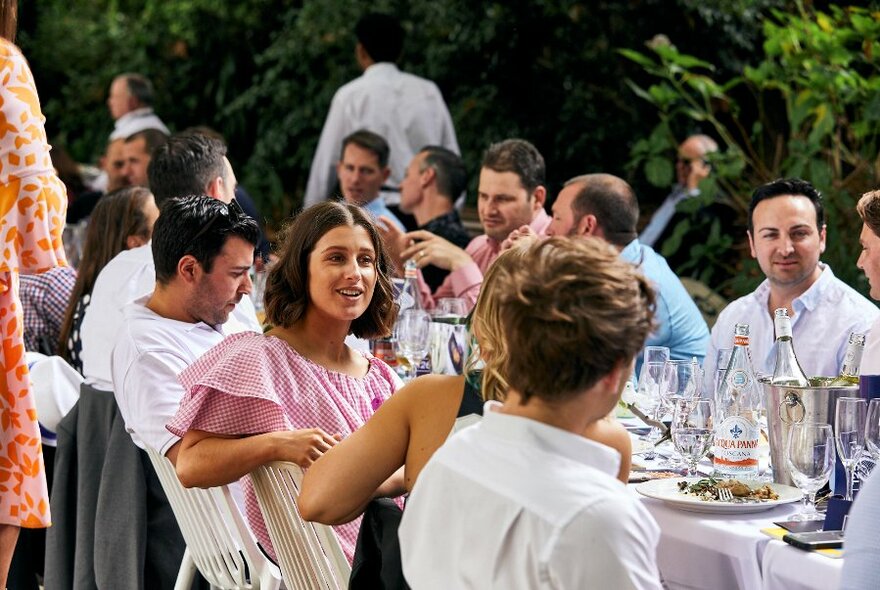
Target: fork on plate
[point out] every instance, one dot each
(725, 495)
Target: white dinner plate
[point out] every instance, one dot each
(667, 491)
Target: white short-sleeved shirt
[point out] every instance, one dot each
(871, 358)
(514, 503)
(824, 316)
(150, 352)
(130, 275)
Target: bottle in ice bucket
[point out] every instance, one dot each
(788, 370)
(738, 406)
(852, 361)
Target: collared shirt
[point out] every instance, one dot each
(135, 121)
(465, 282)
(150, 352)
(871, 357)
(664, 214)
(406, 110)
(680, 325)
(377, 207)
(515, 503)
(824, 316)
(130, 275)
(44, 300)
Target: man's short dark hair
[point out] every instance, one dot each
(449, 168)
(197, 225)
(517, 156)
(140, 88)
(381, 35)
(372, 142)
(788, 186)
(153, 138)
(186, 165)
(613, 202)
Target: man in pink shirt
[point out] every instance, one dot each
(511, 194)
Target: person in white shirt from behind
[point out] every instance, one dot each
(787, 236)
(186, 165)
(408, 111)
(869, 261)
(522, 499)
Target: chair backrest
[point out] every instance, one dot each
(217, 537)
(309, 553)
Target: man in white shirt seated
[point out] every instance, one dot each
(787, 236)
(203, 250)
(186, 165)
(408, 111)
(522, 499)
(869, 262)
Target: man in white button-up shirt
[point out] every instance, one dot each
(869, 262)
(408, 111)
(787, 236)
(522, 499)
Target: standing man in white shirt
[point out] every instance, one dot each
(130, 102)
(869, 262)
(408, 111)
(787, 237)
(522, 499)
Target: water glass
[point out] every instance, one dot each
(692, 430)
(647, 399)
(680, 380)
(413, 331)
(872, 429)
(809, 455)
(451, 306)
(849, 426)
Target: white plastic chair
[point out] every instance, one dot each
(218, 542)
(309, 553)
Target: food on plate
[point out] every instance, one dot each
(708, 490)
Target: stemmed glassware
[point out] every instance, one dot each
(872, 429)
(692, 430)
(809, 455)
(647, 399)
(656, 354)
(680, 380)
(849, 426)
(413, 338)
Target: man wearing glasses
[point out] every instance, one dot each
(691, 167)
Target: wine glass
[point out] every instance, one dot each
(680, 380)
(647, 399)
(809, 455)
(413, 337)
(656, 354)
(451, 306)
(692, 430)
(872, 429)
(849, 426)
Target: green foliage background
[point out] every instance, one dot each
(263, 72)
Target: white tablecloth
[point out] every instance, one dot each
(786, 567)
(699, 551)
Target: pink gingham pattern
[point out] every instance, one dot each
(251, 384)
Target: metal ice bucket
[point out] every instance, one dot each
(788, 405)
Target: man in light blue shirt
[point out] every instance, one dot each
(362, 170)
(605, 206)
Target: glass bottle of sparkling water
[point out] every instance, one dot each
(852, 361)
(788, 370)
(738, 408)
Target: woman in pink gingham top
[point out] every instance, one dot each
(290, 394)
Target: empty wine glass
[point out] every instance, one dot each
(656, 354)
(647, 399)
(809, 455)
(680, 380)
(849, 426)
(413, 330)
(692, 430)
(872, 429)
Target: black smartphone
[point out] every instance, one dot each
(815, 540)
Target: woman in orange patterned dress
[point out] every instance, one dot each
(32, 207)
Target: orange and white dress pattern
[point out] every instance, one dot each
(33, 202)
